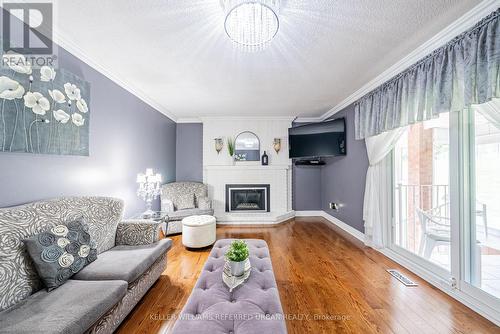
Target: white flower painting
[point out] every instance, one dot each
(57, 96)
(82, 106)
(43, 109)
(77, 119)
(47, 73)
(60, 116)
(37, 102)
(72, 91)
(10, 89)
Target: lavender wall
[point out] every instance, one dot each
(306, 184)
(189, 157)
(343, 178)
(126, 137)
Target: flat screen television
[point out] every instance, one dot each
(316, 140)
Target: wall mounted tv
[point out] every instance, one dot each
(316, 140)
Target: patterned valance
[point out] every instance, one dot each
(465, 71)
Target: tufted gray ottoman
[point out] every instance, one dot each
(253, 307)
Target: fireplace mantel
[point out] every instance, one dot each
(219, 169)
(247, 166)
(279, 180)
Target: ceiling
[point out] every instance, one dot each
(176, 53)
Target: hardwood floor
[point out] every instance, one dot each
(328, 283)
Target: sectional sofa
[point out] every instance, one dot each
(95, 300)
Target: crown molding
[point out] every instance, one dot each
(189, 120)
(309, 119)
(247, 118)
(78, 52)
(460, 25)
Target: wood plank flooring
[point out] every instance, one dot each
(328, 282)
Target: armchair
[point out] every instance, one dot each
(171, 197)
(135, 232)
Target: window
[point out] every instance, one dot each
(421, 191)
(484, 223)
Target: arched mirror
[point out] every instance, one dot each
(247, 147)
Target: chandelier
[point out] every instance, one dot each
(251, 24)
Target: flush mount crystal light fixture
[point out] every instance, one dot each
(251, 24)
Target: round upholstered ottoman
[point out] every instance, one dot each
(198, 231)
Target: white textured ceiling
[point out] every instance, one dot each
(177, 53)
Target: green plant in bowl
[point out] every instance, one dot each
(236, 256)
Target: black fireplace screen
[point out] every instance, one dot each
(247, 197)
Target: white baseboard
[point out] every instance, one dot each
(331, 219)
(310, 213)
(347, 228)
(255, 218)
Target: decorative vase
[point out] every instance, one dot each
(265, 159)
(237, 268)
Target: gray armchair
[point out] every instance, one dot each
(172, 194)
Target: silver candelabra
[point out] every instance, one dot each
(149, 189)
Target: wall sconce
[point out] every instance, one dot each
(277, 144)
(219, 143)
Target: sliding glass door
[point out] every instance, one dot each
(481, 242)
(422, 223)
(446, 200)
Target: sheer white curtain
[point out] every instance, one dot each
(377, 205)
(490, 111)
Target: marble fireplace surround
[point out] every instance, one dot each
(219, 170)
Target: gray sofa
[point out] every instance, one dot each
(96, 299)
(170, 193)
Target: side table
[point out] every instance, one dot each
(157, 216)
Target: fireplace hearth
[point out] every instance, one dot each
(248, 198)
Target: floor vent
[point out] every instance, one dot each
(402, 278)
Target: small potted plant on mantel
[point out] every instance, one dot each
(230, 149)
(237, 256)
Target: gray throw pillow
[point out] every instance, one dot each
(204, 203)
(185, 201)
(61, 252)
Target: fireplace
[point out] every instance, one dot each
(248, 198)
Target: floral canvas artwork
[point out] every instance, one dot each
(42, 111)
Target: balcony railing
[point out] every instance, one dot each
(434, 199)
(425, 197)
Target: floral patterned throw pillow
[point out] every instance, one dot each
(61, 252)
(204, 203)
(185, 201)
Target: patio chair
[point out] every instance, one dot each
(435, 231)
